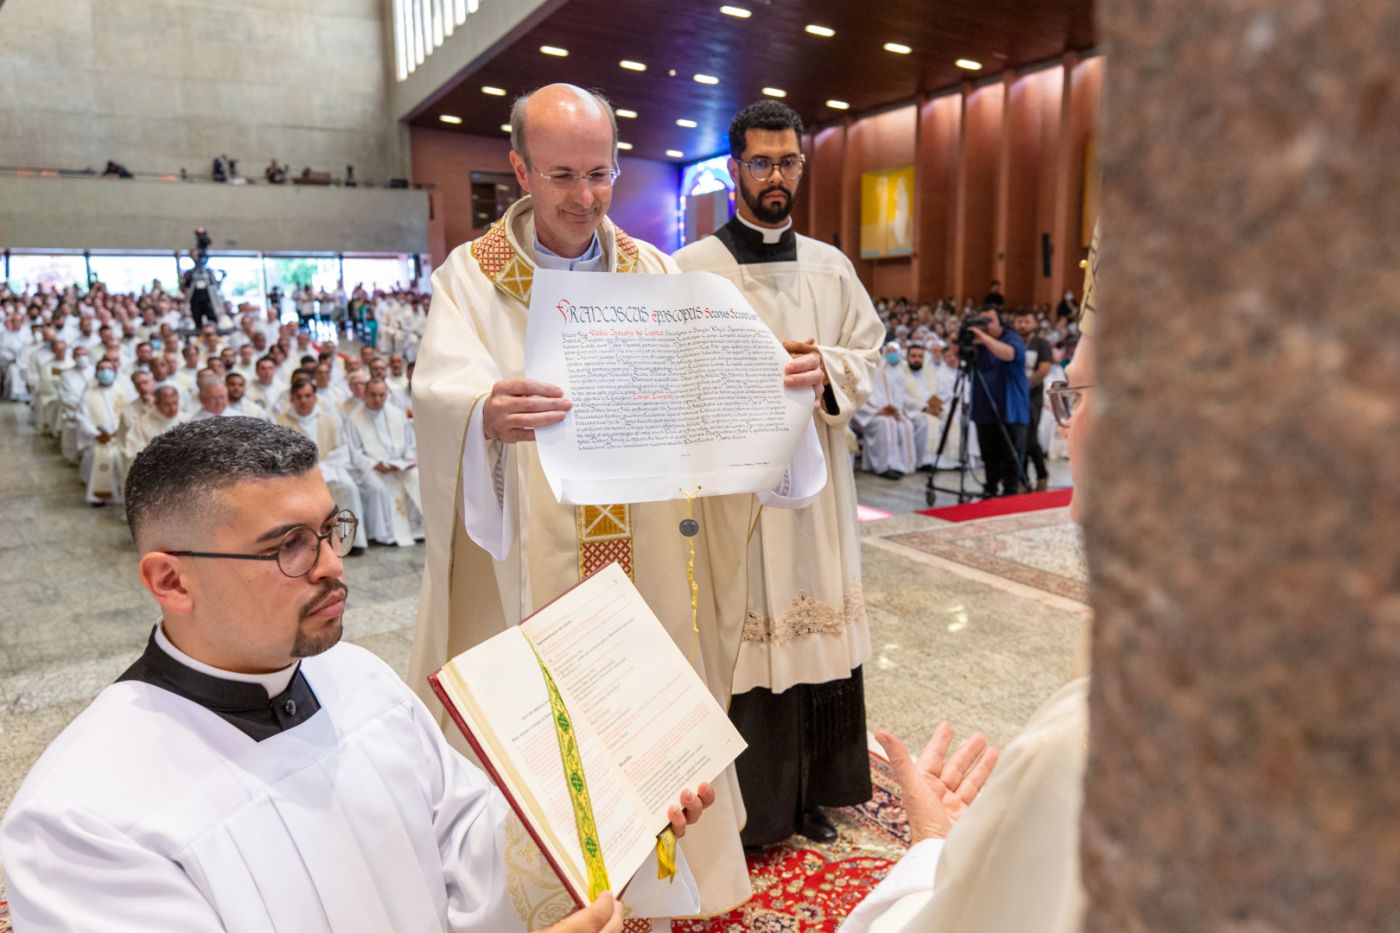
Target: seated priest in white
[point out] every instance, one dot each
(310, 418)
(356, 383)
(384, 455)
(884, 424)
(397, 380)
(166, 413)
(99, 421)
(71, 386)
(213, 398)
(248, 774)
(1009, 862)
(140, 403)
(46, 408)
(920, 382)
(264, 389)
(15, 341)
(238, 403)
(328, 390)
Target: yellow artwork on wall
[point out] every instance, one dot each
(887, 213)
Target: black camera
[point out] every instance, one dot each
(967, 340)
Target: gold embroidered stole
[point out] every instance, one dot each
(604, 531)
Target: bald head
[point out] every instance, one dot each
(561, 108)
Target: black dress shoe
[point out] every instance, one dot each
(356, 551)
(815, 826)
(892, 474)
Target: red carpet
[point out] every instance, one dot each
(1006, 505)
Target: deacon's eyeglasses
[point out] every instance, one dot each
(300, 547)
(563, 182)
(1064, 401)
(762, 169)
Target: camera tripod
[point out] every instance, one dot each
(962, 411)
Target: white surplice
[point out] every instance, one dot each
(151, 813)
(333, 449)
(393, 505)
(1011, 863)
(887, 441)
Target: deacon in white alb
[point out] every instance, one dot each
(313, 420)
(384, 456)
(248, 774)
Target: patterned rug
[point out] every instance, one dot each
(1038, 549)
(811, 887)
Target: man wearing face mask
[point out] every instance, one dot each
(98, 420)
(808, 294)
(885, 423)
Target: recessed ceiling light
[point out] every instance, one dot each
(505, 127)
(775, 92)
(624, 146)
(838, 105)
(968, 64)
(675, 153)
(449, 118)
(554, 50)
(624, 112)
(688, 124)
(898, 48)
(826, 32)
(493, 91)
(632, 66)
(706, 79)
(736, 11)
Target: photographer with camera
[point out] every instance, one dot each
(1000, 399)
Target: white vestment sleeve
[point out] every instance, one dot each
(469, 816)
(488, 499)
(649, 896)
(70, 872)
(409, 460)
(905, 889)
(804, 478)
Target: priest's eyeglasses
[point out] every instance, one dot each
(1064, 401)
(565, 181)
(762, 169)
(300, 547)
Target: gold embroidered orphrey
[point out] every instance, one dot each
(806, 617)
(604, 531)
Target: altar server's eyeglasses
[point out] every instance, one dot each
(762, 169)
(300, 547)
(565, 181)
(1064, 401)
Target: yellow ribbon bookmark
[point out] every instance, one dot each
(690, 528)
(666, 854)
(578, 785)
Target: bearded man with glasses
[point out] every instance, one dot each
(500, 546)
(797, 625)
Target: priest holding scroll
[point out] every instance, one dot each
(499, 545)
(801, 633)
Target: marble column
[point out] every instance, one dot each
(1244, 517)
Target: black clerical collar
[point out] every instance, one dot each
(746, 244)
(245, 706)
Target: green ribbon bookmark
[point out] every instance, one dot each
(578, 784)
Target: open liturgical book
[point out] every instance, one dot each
(592, 766)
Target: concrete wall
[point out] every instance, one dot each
(86, 213)
(161, 84)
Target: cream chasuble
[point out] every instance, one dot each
(804, 619)
(100, 412)
(475, 337)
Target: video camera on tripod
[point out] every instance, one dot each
(967, 340)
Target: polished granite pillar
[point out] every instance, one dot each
(1244, 526)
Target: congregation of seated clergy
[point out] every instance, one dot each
(104, 375)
